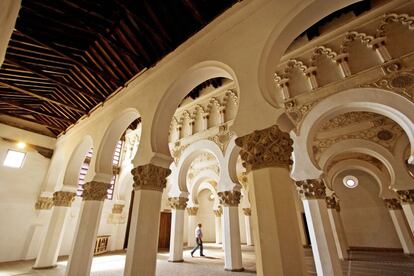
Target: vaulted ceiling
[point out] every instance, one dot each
(65, 57)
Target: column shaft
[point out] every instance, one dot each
(192, 225)
(323, 245)
(338, 233)
(142, 249)
(408, 209)
(232, 247)
(49, 250)
(177, 235)
(275, 226)
(218, 229)
(247, 223)
(403, 231)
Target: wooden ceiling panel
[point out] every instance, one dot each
(67, 56)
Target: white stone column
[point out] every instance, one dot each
(49, 250)
(401, 226)
(141, 257)
(247, 222)
(232, 246)
(177, 205)
(218, 227)
(407, 203)
(192, 224)
(81, 255)
(324, 251)
(266, 156)
(337, 227)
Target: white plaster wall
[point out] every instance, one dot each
(19, 189)
(366, 221)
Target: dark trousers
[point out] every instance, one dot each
(199, 243)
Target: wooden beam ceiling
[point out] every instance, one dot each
(66, 57)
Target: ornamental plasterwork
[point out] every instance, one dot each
(352, 155)
(117, 208)
(218, 212)
(348, 119)
(150, 177)
(247, 212)
(44, 203)
(264, 148)
(177, 203)
(63, 199)
(192, 173)
(229, 198)
(332, 202)
(192, 211)
(387, 19)
(311, 189)
(406, 196)
(95, 190)
(392, 204)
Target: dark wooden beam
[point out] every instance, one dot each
(32, 121)
(28, 108)
(39, 72)
(46, 152)
(103, 74)
(39, 96)
(194, 11)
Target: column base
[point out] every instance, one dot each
(176, 261)
(44, 267)
(235, 269)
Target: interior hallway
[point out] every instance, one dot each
(362, 263)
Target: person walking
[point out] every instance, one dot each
(199, 241)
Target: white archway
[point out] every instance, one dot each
(105, 153)
(356, 164)
(176, 92)
(71, 177)
(374, 100)
(201, 183)
(399, 177)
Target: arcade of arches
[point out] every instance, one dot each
(287, 132)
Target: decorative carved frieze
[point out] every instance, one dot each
(247, 211)
(229, 198)
(218, 212)
(392, 204)
(406, 196)
(269, 147)
(311, 189)
(150, 177)
(44, 203)
(192, 211)
(95, 190)
(178, 203)
(63, 198)
(117, 208)
(332, 202)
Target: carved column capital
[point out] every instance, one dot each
(63, 198)
(150, 177)
(311, 189)
(95, 191)
(332, 202)
(192, 211)
(178, 203)
(247, 212)
(265, 148)
(218, 212)
(117, 208)
(44, 203)
(229, 198)
(406, 196)
(392, 204)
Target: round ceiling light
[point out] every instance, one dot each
(350, 181)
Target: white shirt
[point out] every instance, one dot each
(198, 233)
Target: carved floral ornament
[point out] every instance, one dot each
(229, 198)
(150, 177)
(387, 19)
(63, 199)
(332, 202)
(44, 203)
(269, 147)
(311, 189)
(192, 211)
(95, 190)
(392, 204)
(406, 196)
(247, 212)
(218, 212)
(117, 208)
(178, 203)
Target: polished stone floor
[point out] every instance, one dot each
(361, 263)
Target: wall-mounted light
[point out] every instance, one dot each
(21, 145)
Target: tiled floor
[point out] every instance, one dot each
(360, 264)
